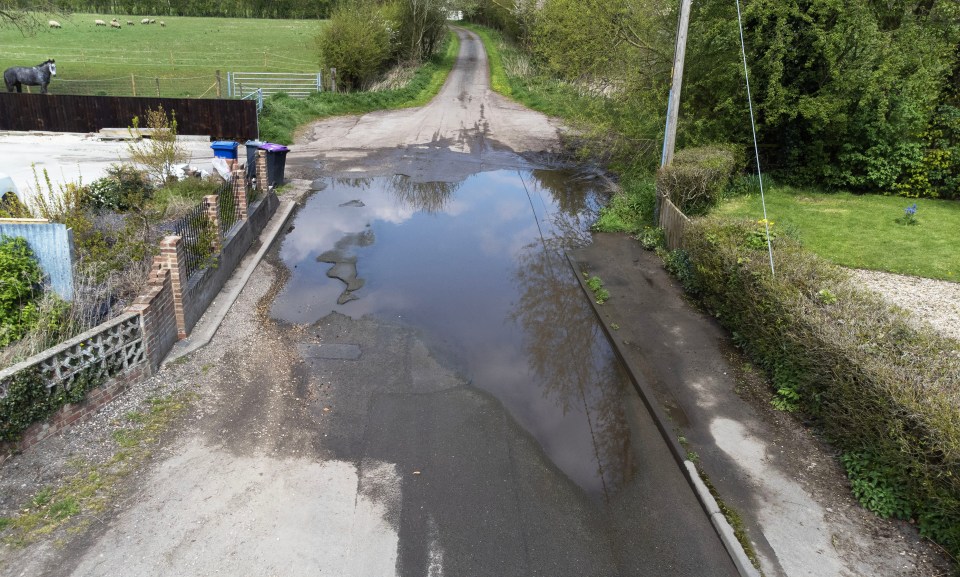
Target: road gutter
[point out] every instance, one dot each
(720, 524)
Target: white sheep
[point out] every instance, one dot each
(54, 24)
(145, 21)
(162, 23)
(99, 23)
(114, 24)
(153, 21)
(129, 22)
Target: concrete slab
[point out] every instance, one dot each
(73, 157)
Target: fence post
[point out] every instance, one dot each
(240, 193)
(319, 81)
(218, 84)
(212, 208)
(133, 84)
(158, 86)
(333, 80)
(262, 184)
(173, 258)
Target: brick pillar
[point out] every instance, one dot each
(211, 207)
(172, 257)
(158, 321)
(261, 161)
(240, 193)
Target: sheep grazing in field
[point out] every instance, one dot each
(162, 23)
(145, 21)
(153, 21)
(129, 22)
(114, 24)
(99, 23)
(54, 24)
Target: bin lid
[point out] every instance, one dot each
(254, 143)
(224, 144)
(271, 147)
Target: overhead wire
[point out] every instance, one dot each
(756, 148)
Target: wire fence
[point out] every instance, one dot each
(208, 86)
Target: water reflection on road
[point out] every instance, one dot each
(478, 267)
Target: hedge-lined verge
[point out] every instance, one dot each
(886, 394)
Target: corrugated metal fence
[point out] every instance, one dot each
(52, 244)
(221, 119)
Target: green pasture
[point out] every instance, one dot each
(182, 57)
(864, 231)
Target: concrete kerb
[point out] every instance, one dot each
(709, 504)
(207, 327)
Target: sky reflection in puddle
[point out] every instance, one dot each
(478, 267)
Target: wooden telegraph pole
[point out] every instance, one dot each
(673, 104)
(673, 107)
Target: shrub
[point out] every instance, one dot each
(630, 209)
(884, 392)
(124, 188)
(21, 285)
(160, 153)
(356, 42)
(697, 178)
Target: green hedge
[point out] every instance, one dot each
(697, 177)
(887, 395)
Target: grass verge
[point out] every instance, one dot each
(866, 231)
(282, 114)
(80, 498)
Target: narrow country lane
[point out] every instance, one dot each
(413, 382)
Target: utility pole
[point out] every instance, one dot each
(673, 107)
(673, 103)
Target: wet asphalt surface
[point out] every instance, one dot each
(522, 446)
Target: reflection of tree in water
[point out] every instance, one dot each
(574, 196)
(430, 197)
(564, 346)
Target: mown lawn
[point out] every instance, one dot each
(184, 55)
(862, 231)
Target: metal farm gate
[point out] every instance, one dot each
(297, 85)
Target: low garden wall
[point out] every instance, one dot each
(60, 386)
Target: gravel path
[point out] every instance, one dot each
(936, 302)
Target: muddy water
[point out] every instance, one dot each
(478, 267)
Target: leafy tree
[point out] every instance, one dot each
(843, 92)
(356, 43)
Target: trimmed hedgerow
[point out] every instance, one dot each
(697, 177)
(885, 393)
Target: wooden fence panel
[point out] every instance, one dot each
(673, 222)
(220, 119)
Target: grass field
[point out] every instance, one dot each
(184, 55)
(862, 231)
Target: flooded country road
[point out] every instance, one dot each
(411, 384)
(521, 446)
(449, 338)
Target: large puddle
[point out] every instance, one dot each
(478, 267)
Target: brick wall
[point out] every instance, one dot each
(71, 414)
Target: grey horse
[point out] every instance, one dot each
(38, 75)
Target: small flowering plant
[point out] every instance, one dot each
(909, 215)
